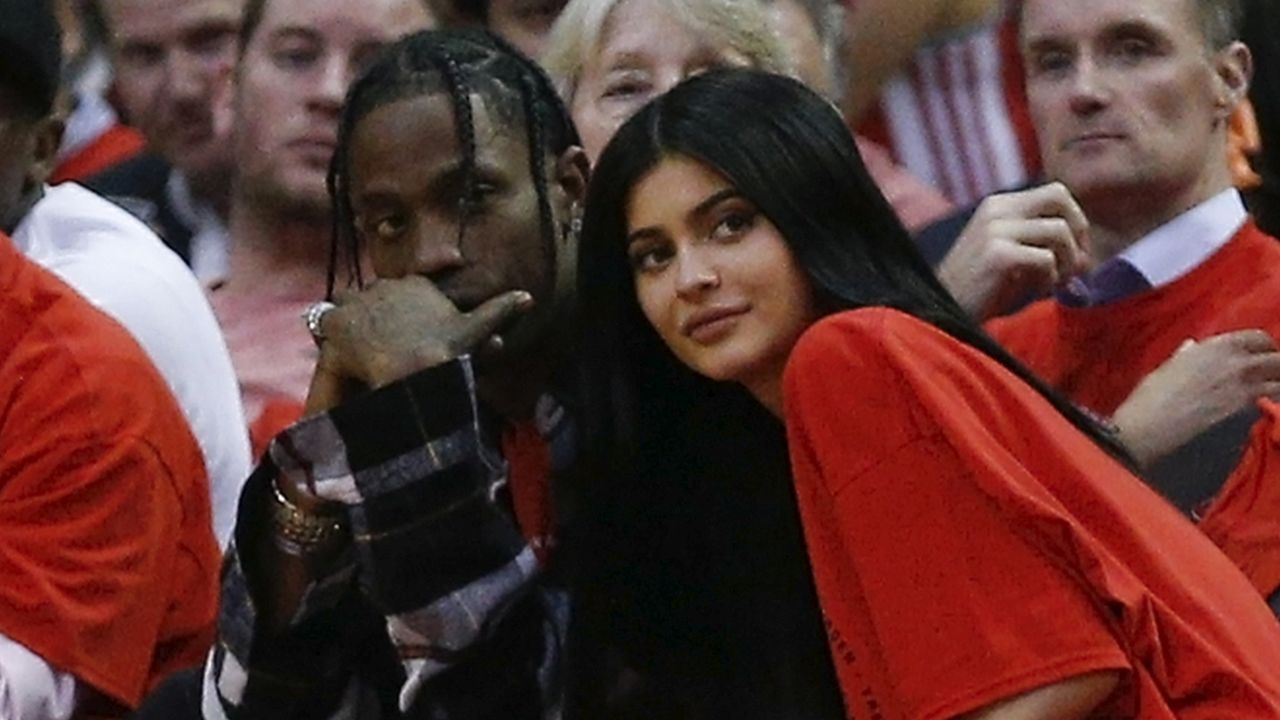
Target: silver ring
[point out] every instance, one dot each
(314, 315)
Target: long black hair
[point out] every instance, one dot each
(678, 459)
(461, 62)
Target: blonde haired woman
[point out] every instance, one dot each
(610, 57)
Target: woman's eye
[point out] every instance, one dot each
(648, 258)
(733, 225)
(625, 89)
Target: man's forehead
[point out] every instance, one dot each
(367, 20)
(127, 18)
(430, 117)
(1053, 18)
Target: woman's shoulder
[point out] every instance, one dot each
(883, 350)
(875, 329)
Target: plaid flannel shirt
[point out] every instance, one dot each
(436, 551)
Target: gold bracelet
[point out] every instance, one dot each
(297, 530)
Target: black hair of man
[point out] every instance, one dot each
(461, 62)
(30, 54)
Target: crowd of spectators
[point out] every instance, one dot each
(312, 406)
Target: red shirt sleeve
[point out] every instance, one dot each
(92, 517)
(936, 606)
(1244, 518)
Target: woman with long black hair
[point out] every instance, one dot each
(980, 547)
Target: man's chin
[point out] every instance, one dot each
(289, 201)
(207, 168)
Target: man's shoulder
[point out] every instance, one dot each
(141, 186)
(144, 175)
(71, 217)
(57, 344)
(108, 256)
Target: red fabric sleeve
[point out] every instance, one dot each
(89, 518)
(1244, 519)
(936, 604)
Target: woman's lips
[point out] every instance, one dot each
(710, 324)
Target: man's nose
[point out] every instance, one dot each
(329, 87)
(188, 77)
(437, 252)
(1090, 88)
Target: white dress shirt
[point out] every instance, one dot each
(1182, 244)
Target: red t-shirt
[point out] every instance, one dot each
(1097, 355)
(969, 544)
(108, 562)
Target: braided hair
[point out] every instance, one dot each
(461, 62)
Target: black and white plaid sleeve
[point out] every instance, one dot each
(435, 548)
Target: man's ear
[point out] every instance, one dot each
(1233, 65)
(572, 172)
(46, 138)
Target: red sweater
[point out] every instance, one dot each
(969, 544)
(1097, 355)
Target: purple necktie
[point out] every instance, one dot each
(1115, 279)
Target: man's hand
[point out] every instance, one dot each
(1016, 244)
(394, 328)
(1200, 385)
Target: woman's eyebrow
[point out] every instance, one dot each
(644, 233)
(712, 200)
(702, 208)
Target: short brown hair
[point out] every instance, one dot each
(1219, 20)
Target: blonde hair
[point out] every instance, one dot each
(739, 25)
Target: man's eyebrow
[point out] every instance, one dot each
(1132, 28)
(643, 233)
(296, 32)
(1040, 43)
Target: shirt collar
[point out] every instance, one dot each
(1182, 244)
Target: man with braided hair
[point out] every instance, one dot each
(390, 557)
